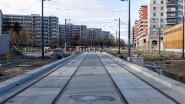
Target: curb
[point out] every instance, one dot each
(173, 84)
(34, 74)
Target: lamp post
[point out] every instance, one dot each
(65, 32)
(183, 32)
(92, 38)
(118, 36)
(128, 26)
(43, 28)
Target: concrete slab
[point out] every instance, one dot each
(50, 86)
(139, 71)
(144, 92)
(91, 85)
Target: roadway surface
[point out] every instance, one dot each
(96, 78)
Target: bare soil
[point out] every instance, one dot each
(9, 71)
(172, 62)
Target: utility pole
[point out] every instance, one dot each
(119, 37)
(42, 29)
(183, 32)
(129, 29)
(159, 35)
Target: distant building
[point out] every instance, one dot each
(141, 27)
(106, 35)
(136, 31)
(97, 34)
(70, 31)
(33, 22)
(132, 37)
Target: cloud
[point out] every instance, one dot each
(93, 13)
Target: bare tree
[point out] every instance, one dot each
(25, 36)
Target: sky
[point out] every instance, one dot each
(93, 13)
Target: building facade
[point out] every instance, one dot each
(136, 31)
(142, 27)
(173, 38)
(163, 14)
(71, 32)
(133, 37)
(33, 23)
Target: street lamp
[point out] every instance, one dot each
(65, 32)
(43, 28)
(119, 36)
(128, 26)
(183, 32)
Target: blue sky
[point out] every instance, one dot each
(93, 13)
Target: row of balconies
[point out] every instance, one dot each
(171, 2)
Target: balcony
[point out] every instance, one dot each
(171, 16)
(171, 2)
(171, 10)
(171, 22)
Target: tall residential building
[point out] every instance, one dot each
(136, 31)
(106, 35)
(69, 31)
(1, 16)
(142, 27)
(162, 14)
(132, 37)
(97, 34)
(51, 31)
(33, 22)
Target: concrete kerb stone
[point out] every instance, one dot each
(175, 85)
(18, 80)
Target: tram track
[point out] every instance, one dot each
(157, 89)
(66, 85)
(122, 97)
(89, 98)
(84, 69)
(38, 80)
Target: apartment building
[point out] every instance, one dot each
(106, 35)
(97, 34)
(136, 31)
(70, 31)
(33, 22)
(141, 27)
(162, 14)
(132, 37)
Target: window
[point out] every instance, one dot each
(161, 20)
(162, 1)
(162, 8)
(154, 2)
(154, 8)
(144, 41)
(161, 14)
(154, 26)
(154, 14)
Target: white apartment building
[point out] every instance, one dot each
(162, 14)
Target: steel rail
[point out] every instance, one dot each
(160, 91)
